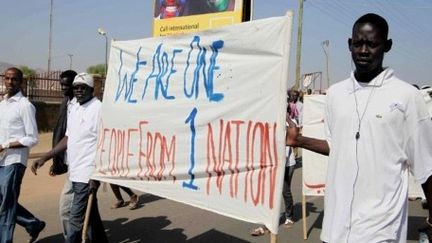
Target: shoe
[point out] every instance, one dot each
(260, 231)
(118, 204)
(288, 223)
(134, 201)
(34, 235)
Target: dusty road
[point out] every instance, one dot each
(160, 220)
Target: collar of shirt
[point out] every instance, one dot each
(378, 81)
(16, 97)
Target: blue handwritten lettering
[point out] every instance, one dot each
(209, 84)
(200, 68)
(123, 84)
(191, 120)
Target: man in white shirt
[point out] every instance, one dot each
(377, 127)
(80, 142)
(18, 133)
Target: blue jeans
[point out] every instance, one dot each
(96, 231)
(11, 211)
(65, 204)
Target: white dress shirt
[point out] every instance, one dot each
(17, 123)
(81, 131)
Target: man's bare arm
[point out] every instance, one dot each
(295, 139)
(59, 148)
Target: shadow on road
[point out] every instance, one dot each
(414, 223)
(214, 236)
(147, 229)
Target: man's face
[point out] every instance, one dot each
(293, 96)
(82, 93)
(66, 85)
(12, 82)
(367, 46)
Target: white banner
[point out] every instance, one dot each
(315, 165)
(415, 189)
(200, 118)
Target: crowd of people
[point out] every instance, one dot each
(377, 130)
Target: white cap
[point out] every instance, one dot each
(83, 78)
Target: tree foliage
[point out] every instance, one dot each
(28, 72)
(98, 69)
(29, 75)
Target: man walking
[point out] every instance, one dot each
(18, 133)
(80, 142)
(59, 165)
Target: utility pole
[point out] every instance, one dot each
(70, 61)
(325, 44)
(299, 44)
(50, 38)
(103, 33)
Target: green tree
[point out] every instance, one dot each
(29, 75)
(28, 72)
(98, 69)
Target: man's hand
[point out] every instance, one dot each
(427, 229)
(292, 134)
(93, 186)
(51, 171)
(36, 165)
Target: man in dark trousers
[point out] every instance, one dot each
(59, 165)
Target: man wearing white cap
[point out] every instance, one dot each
(80, 141)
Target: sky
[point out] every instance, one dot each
(24, 28)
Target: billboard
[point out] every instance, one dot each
(186, 16)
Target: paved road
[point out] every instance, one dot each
(160, 220)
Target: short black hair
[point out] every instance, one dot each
(374, 19)
(68, 74)
(17, 71)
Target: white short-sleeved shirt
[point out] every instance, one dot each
(367, 179)
(17, 123)
(81, 131)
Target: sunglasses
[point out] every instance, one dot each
(80, 87)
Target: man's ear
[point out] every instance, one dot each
(349, 44)
(388, 45)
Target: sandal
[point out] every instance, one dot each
(260, 231)
(118, 204)
(134, 201)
